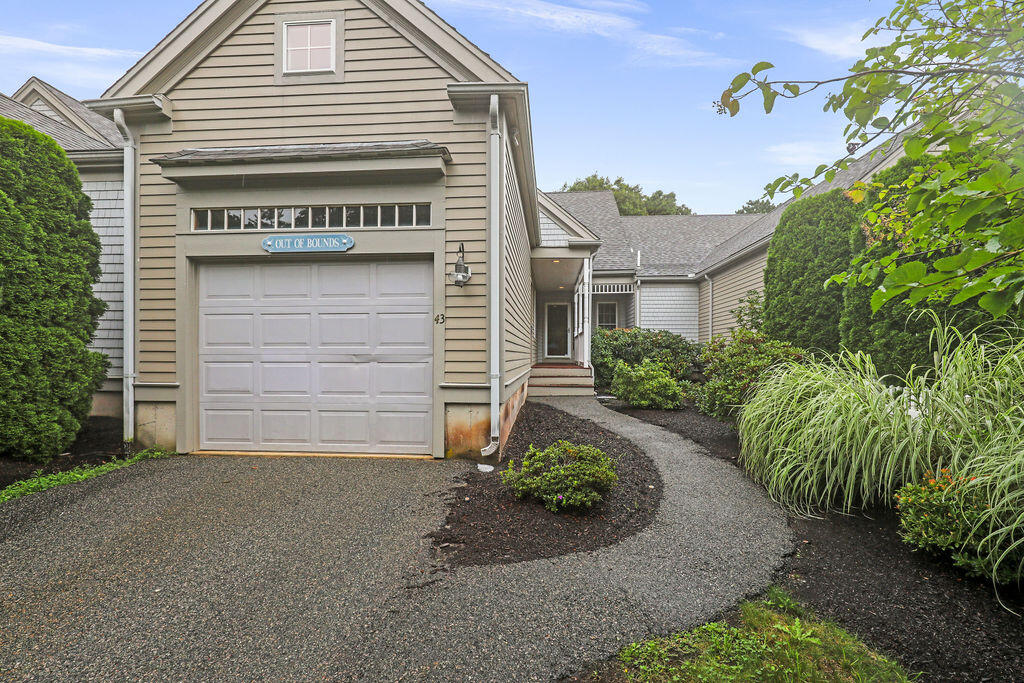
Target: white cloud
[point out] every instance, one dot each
(596, 18)
(835, 41)
(690, 31)
(29, 46)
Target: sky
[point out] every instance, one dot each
(621, 87)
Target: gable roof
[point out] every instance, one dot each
(674, 246)
(574, 230)
(760, 232)
(206, 27)
(71, 111)
(70, 139)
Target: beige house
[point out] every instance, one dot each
(333, 241)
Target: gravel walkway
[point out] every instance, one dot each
(295, 569)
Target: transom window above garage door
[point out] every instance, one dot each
(313, 217)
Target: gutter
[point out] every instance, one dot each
(494, 171)
(129, 193)
(711, 306)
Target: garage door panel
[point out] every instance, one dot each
(287, 282)
(220, 330)
(228, 427)
(319, 357)
(344, 379)
(286, 427)
(286, 379)
(293, 330)
(347, 282)
(404, 330)
(345, 330)
(345, 428)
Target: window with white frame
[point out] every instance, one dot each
(309, 46)
(607, 315)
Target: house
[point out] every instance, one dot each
(333, 240)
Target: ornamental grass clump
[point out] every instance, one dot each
(563, 476)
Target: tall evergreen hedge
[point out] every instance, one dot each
(810, 245)
(49, 261)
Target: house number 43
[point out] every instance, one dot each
(440, 319)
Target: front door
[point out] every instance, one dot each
(557, 343)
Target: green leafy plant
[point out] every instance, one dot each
(680, 356)
(764, 644)
(42, 482)
(563, 477)
(734, 365)
(647, 385)
(949, 75)
(749, 313)
(48, 312)
(810, 245)
(944, 515)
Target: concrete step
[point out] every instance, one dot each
(557, 380)
(546, 391)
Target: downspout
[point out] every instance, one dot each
(711, 306)
(494, 273)
(128, 388)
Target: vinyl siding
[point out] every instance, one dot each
(670, 307)
(108, 221)
(731, 285)
(390, 91)
(518, 283)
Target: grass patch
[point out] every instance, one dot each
(42, 482)
(773, 639)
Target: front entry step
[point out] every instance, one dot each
(550, 379)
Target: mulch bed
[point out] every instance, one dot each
(487, 525)
(719, 438)
(99, 441)
(855, 571)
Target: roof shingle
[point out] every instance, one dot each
(71, 139)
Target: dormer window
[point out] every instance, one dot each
(309, 46)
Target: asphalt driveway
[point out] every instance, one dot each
(299, 569)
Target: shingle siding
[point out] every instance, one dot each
(551, 235)
(42, 107)
(108, 221)
(670, 307)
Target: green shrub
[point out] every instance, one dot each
(678, 355)
(733, 367)
(750, 312)
(647, 385)
(48, 312)
(563, 476)
(944, 515)
(810, 245)
(831, 434)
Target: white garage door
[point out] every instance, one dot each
(316, 357)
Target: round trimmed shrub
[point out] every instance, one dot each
(48, 313)
(678, 355)
(810, 245)
(647, 385)
(563, 476)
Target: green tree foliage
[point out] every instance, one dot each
(810, 245)
(896, 336)
(951, 77)
(48, 313)
(678, 355)
(759, 205)
(631, 199)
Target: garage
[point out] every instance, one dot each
(319, 357)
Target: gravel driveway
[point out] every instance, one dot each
(295, 569)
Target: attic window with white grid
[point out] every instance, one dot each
(309, 47)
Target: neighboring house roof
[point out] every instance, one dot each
(674, 246)
(203, 30)
(71, 139)
(759, 233)
(668, 246)
(340, 150)
(71, 111)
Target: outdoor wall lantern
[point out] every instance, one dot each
(462, 272)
